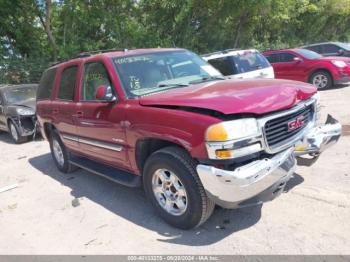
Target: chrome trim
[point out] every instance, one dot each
(261, 138)
(291, 141)
(95, 143)
(87, 123)
(101, 144)
(72, 138)
(246, 181)
(232, 144)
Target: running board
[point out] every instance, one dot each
(111, 173)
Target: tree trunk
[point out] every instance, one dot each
(46, 23)
(241, 21)
(238, 30)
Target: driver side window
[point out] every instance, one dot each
(95, 75)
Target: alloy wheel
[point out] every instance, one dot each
(58, 153)
(320, 81)
(169, 192)
(13, 132)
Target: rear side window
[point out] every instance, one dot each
(315, 48)
(286, 57)
(273, 58)
(223, 64)
(46, 84)
(67, 83)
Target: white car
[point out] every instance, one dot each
(233, 63)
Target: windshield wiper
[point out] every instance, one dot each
(172, 85)
(206, 79)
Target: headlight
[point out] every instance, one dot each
(339, 63)
(232, 130)
(25, 111)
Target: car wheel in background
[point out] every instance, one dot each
(15, 134)
(171, 183)
(60, 154)
(321, 79)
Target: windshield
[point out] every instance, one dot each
(18, 95)
(345, 46)
(150, 73)
(249, 61)
(241, 63)
(308, 54)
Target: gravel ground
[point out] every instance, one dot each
(80, 213)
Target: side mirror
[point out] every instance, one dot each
(297, 59)
(104, 93)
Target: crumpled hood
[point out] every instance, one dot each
(31, 103)
(235, 96)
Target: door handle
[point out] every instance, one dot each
(55, 111)
(79, 114)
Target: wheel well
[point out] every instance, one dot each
(11, 119)
(8, 121)
(48, 128)
(145, 147)
(318, 70)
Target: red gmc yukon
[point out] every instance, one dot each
(167, 120)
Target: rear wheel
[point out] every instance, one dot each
(15, 134)
(321, 79)
(60, 154)
(174, 188)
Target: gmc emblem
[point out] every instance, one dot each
(296, 123)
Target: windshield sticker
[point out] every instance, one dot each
(210, 70)
(134, 82)
(128, 60)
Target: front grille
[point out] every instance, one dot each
(276, 130)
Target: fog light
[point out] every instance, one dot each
(299, 148)
(223, 154)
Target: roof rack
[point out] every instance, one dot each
(90, 53)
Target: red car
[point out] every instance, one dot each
(167, 120)
(308, 66)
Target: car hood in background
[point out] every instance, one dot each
(332, 58)
(235, 96)
(31, 103)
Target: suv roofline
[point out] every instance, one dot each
(112, 53)
(295, 50)
(322, 43)
(227, 52)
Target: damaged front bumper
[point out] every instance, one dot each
(319, 138)
(263, 180)
(26, 125)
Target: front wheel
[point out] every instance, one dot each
(15, 134)
(321, 79)
(174, 188)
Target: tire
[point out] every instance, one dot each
(321, 79)
(15, 134)
(172, 161)
(60, 154)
